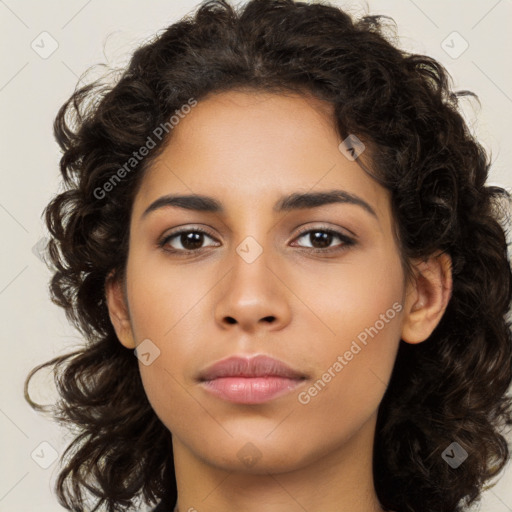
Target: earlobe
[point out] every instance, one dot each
(118, 311)
(427, 297)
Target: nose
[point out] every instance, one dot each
(253, 296)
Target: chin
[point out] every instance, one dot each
(255, 455)
(273, 462)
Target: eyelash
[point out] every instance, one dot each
(346, 240)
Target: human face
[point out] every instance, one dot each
(304, 307)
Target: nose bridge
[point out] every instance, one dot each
(254, 252)
(250, 274)
(252, 294)
(253, 239)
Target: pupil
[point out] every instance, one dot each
(192, 240)
(324, 238)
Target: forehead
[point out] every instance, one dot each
(248, 146)
(257, 114)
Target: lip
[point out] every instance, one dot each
(250, 380)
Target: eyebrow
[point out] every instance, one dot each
(294, 201)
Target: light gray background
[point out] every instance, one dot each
(32, 89)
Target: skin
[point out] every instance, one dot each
(246, 149)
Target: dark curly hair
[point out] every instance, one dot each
(451, 388)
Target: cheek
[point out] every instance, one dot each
(166, 393)
(165, 320)
(352, 377)
(359, 298)
(163, 297)
(362, 310)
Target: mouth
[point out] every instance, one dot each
(252, 380)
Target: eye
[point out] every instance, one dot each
(321, 238)
(191, 240)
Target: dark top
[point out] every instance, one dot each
(164, 506)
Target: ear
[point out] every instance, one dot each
(118, 310)
(427, 297)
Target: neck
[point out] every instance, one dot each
(339, 481)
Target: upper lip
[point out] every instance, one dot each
(256, 366)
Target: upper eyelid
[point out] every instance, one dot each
(301, 229)
(335, 230)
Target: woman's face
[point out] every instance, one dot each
(327, 305)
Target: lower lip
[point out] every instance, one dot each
(250, 390)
